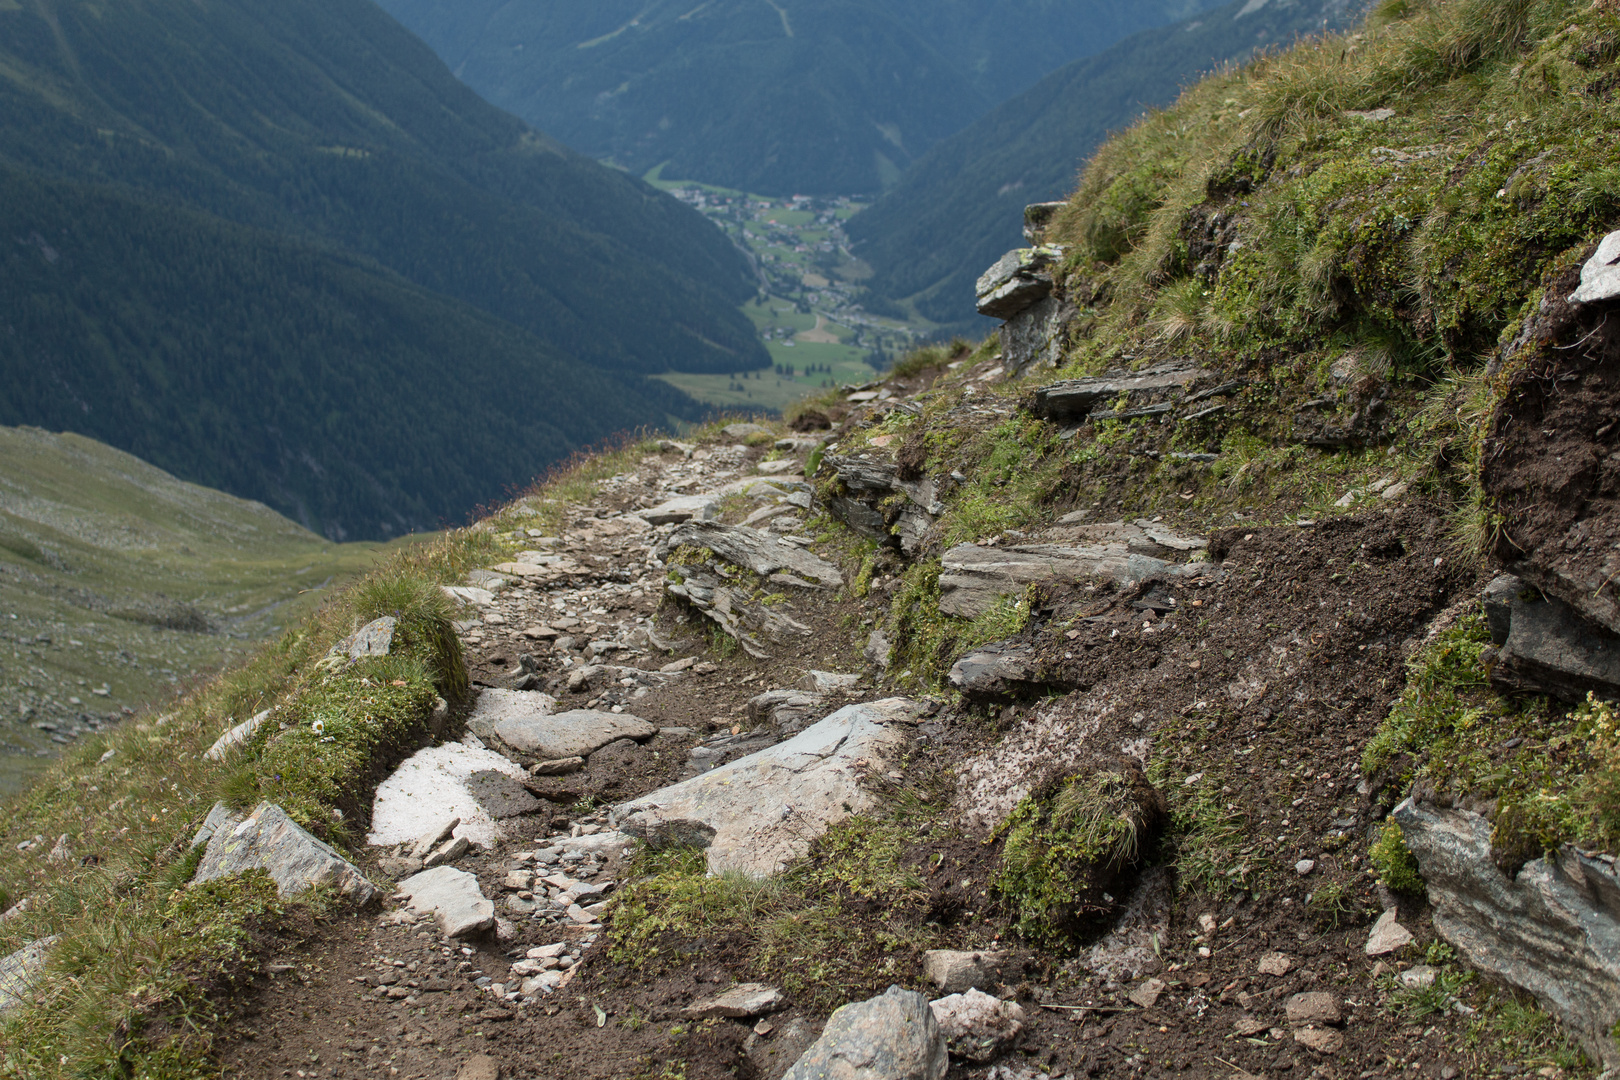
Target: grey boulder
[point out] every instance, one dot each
(453, 898)
(996, 669)
(743, 1000)
(1037, 335)
(760, 812)
(1554, 929)
(271, 841)
(1016, 280)
(376, 638)
(751, 549)
(891, 1037)
(789, 711)
(1072, 400)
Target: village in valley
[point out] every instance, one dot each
(811, 312)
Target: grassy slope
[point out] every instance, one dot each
(958, 209)
(837, 98)
(115, 575)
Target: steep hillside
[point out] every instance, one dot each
(958, 207)
(1213, 673)
(119, 585)
(814, 96)
(185, 178)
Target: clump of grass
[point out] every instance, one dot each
(798, 929)
(1394, 862)
(1065, 844)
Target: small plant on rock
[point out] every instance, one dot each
(1394, 862)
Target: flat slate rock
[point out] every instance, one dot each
(741, 1001)
(453, 898)
(544, 736)
(434, 785)
(891, 1037)
(763, 553)
(1074, 399)
(759, 812)
(271, 841)
(974, 579)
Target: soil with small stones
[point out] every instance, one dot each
(1262, 685)
(1552, 456)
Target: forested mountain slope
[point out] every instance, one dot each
(957, 209)
(817, 96)
(304, 183)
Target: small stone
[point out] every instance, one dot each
(398, 868)
(1304, 867)
(976, 1025)
(1275, 964)
(892, 1036)
(1315, 1007)
(1395, 491)
(675, 666)
(1147, 994)
(557, 766)
(1322, 1040)
(453, 898)
(1248, 1025)
(449, 851)
(1420, 977)
(1600, 276)
(429, 840)
(1206, 923)
(1387, 936)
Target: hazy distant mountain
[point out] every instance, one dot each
(274, 246)
(772, 96)
(961, 205)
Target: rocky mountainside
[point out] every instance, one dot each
(821, 97)
(1211, 673)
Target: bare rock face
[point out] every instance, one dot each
(1553, 930)
(875, 502)
(789, 711)
(892, 1037)
(269, 840)
(1003, 668)
(759, 812)
(1037, 335)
